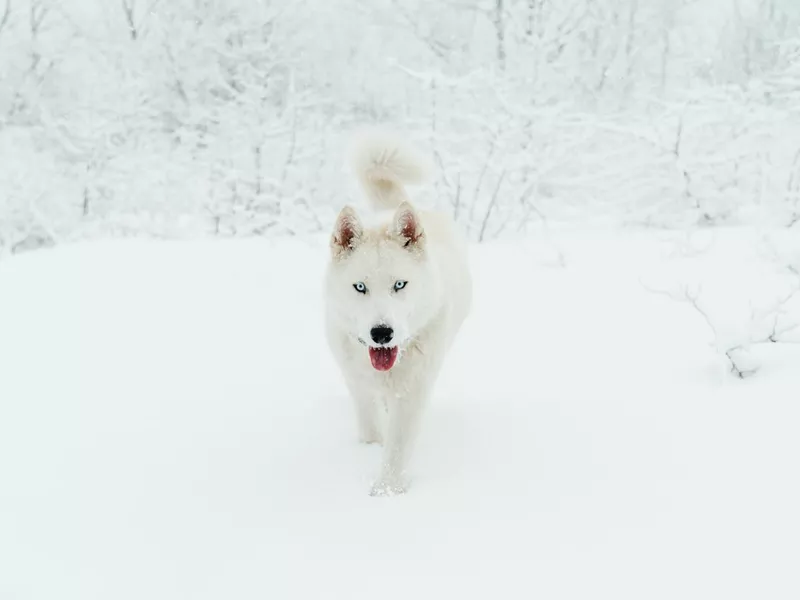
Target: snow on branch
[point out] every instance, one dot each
(233, 114)
(741, 310)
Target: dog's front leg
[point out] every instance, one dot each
(403, 424)
(367, 417)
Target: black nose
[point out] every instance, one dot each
(382, 334)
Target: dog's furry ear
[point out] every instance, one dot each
(408, 227)
(346, 232)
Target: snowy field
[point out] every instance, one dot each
(620, 416)
(172, 427)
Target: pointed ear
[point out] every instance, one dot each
(408, 227)
(346, 232)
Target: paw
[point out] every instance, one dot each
(388, 487)
(370, 437)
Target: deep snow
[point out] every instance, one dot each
(172, 426)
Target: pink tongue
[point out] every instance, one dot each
(383, 358)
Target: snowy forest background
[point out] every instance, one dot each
(178, 118)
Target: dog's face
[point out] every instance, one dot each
(381, 287)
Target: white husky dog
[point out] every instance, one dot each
(397, 292)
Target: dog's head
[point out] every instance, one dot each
(382, 288)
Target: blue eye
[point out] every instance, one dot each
(360, 287)
(399, 285)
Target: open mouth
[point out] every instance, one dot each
(383, 358)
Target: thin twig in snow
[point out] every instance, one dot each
(480, 181)
(491, 206)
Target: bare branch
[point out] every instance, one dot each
(5, 16)
(128, 8)
(733, 352)
(491, 205)
(433, 45)
(480, 180)
(38, 13)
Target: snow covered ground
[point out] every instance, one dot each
(172, 426)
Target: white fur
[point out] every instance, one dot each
(384, 164)
(426, 315)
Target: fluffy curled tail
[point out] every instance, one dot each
(384, 164)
